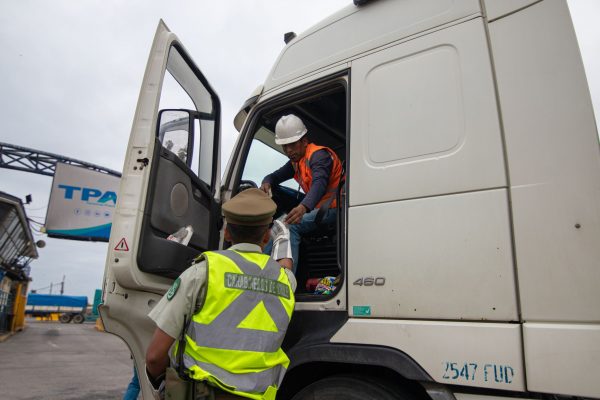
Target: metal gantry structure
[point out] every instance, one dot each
(41, 162)
(17, 245)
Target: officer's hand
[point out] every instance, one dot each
(265, 187)
(295, 215)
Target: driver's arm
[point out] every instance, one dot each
(281, 175)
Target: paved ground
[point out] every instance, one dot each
(50, 360)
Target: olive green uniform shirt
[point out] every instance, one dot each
(186, 297)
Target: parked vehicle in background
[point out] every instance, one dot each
(69, 308)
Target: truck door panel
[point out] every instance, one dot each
(166, 194)
(179, 199)
(164, 187)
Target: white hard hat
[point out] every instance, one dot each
(289, 129)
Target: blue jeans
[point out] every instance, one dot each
(307, 225)
(133, 389)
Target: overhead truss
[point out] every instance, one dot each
(41, 162)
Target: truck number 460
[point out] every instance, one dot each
(369, 281)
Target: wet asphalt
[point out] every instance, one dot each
(50, 360)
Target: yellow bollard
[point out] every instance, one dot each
(18, 322)
(99, 325)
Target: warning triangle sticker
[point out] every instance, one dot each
(122, 245)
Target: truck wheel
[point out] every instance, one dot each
(78, 319)
(65, 318)
(348, 388)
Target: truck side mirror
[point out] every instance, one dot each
(176, 133)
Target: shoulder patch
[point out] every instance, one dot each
(173, 290)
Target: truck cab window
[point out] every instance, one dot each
(264, 159)
(175, 136)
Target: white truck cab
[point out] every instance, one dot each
(467, 240)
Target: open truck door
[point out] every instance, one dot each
(170, 180)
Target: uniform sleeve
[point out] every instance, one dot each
(320, 164)
(169, 313)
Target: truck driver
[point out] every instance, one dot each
(317, 169)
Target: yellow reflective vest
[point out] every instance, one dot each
(234, 340)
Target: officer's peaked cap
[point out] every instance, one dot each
(251, 207)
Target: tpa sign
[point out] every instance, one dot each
(88, 195)
(81, 203)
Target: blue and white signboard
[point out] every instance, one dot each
(82, 203)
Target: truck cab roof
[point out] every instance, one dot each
(354, 30)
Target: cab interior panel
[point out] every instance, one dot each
(178, 199)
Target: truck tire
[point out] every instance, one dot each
(349, 387)
(78, 319)
(64, 318)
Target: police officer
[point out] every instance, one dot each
(235, 306)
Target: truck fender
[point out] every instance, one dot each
(354, 354)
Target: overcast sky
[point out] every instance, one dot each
(70, 74)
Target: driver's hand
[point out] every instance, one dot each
(295, 215)
(266, 187)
